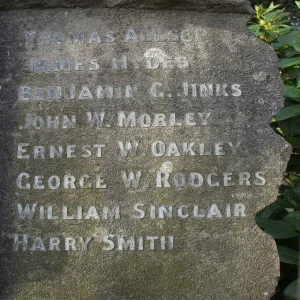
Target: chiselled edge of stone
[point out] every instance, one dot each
(285, 147)
(283, 155)
(219, 6)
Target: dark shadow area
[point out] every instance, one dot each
(9, 65)
(19, 267)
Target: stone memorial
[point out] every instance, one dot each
(136, 150)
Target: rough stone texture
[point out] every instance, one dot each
(224, 6)
(213, 258)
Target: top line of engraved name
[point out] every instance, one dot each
(129, 35)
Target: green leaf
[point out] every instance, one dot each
(276, 228)
(284, 30)
(291, 92)
(298, 4)
(275, 14)
(254, 27)
(287, 62)
(258, 33)
(293, 218)
(281, 25)
(288, 53)
(296, 45)
(258, 8)
(270, 8)
(283, 202)
(277, 45)
(298, 81)
(292, 291)
(291, 127)
(288, 112)
(288, 39)
(294, 73)
(288, 255)
(273, 211)
(295, 180)
(292, 197)
(289, 102)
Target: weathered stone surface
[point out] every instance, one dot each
(224, 6)
(165, 64)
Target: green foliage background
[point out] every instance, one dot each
(278, 26)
